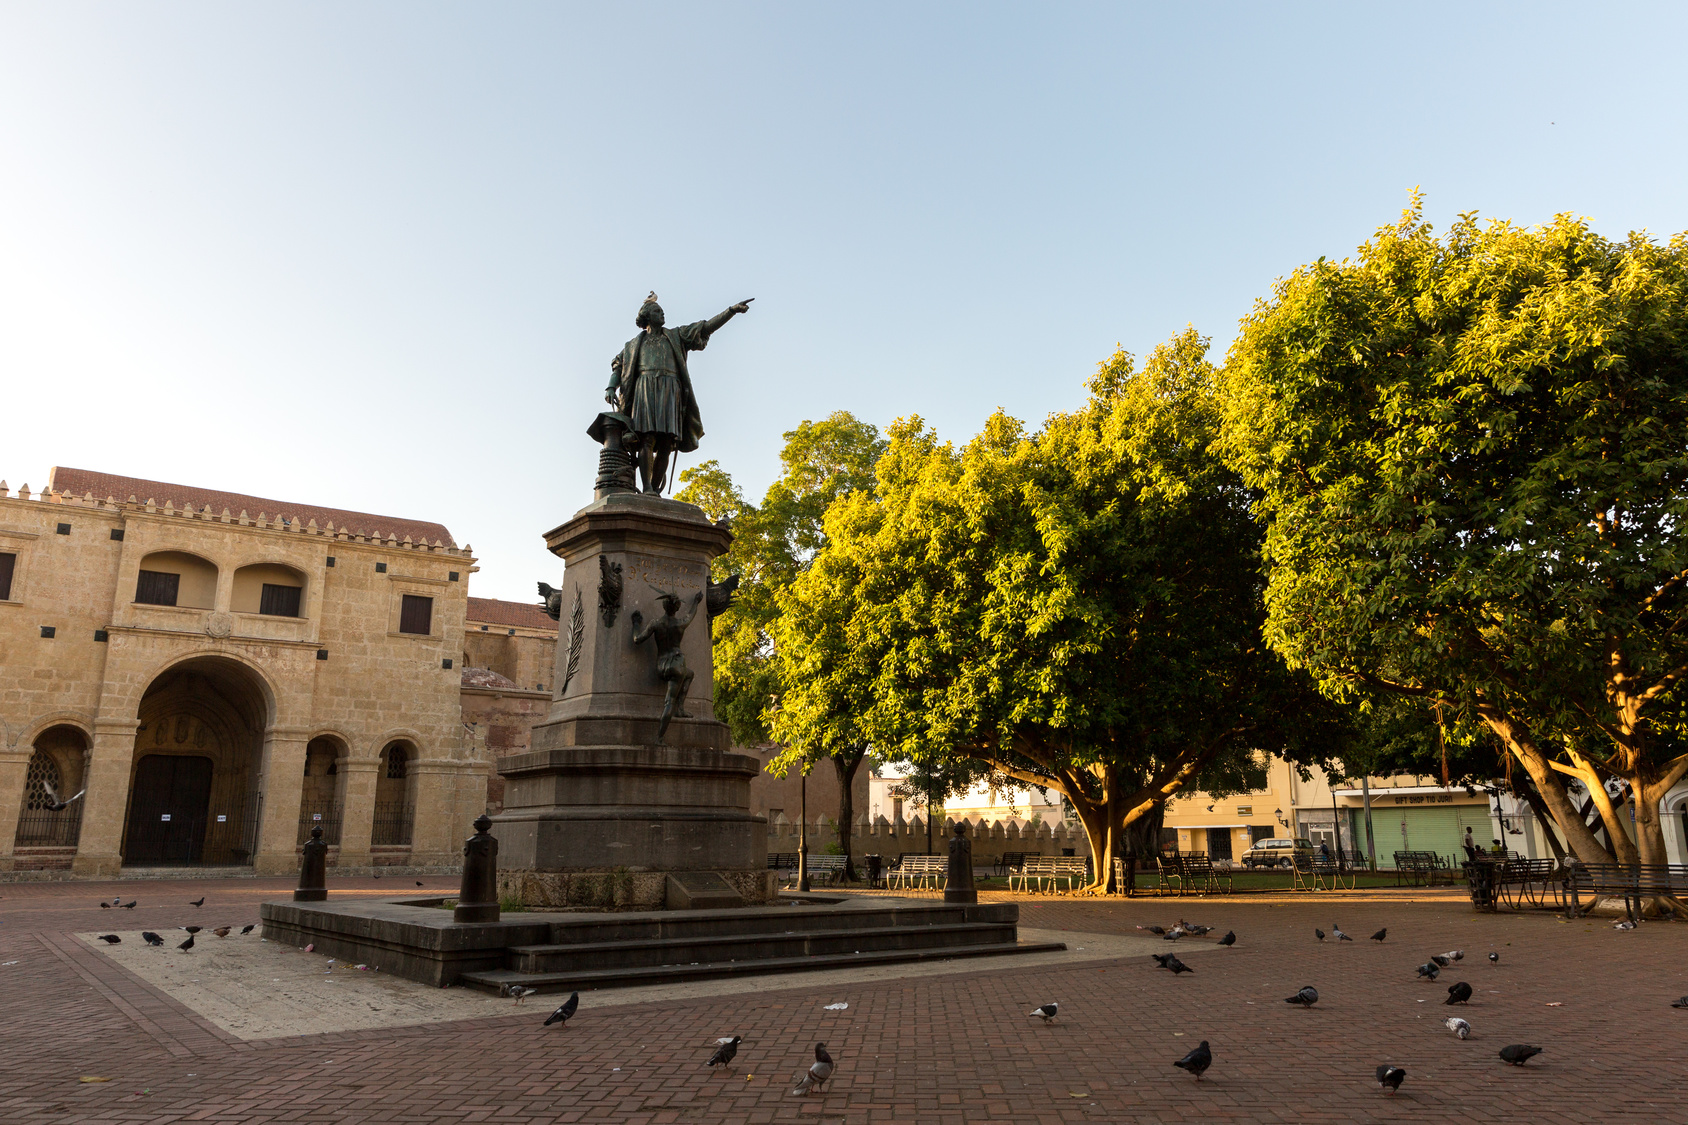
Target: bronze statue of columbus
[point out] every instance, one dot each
(651, 386)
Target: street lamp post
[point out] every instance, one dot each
(803, 832)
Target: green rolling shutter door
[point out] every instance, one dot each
(1435, 829)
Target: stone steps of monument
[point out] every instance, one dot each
(753, 946)
(495, 980)
(783, 921)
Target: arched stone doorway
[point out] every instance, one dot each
(320, 800)
(395, 796)
(193, 789)
(57, 767)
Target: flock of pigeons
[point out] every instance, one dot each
(1389, 1076)
(726, 1050)
(154, 939)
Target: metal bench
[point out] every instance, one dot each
(1633, 882)
(1011, 861)
(922, 870)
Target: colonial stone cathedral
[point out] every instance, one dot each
(196, 678)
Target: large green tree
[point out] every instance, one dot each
(1472, 454)
(1078, 608)
(772, 544)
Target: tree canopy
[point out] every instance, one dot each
(1471, 462)
(1078, 608)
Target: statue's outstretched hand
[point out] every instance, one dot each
(741, 307)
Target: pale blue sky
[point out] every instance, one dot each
(378, 255)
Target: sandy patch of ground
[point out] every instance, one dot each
(258, 989)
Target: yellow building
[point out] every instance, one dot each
(1224, 828)
(218, 673)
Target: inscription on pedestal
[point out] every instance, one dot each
(700, 890)
(664, 574)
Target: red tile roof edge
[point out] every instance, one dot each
(496, 611)
(80, 481)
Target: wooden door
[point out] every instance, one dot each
(167, 810)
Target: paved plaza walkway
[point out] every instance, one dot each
(245, 1031)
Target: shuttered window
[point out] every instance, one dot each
(416, 615)
(7, 564)
(279, 601)
(157, 588)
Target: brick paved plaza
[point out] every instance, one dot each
(931, 1048)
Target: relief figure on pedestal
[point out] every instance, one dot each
(669, 630)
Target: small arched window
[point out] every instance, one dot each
(395, 762)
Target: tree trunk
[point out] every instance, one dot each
(1617, 839)
(1521, 743)
(1548, 824)
(846, 768)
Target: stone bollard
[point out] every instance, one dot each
(958, 887)
(313, 870)
(477, 900)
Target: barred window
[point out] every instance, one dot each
(43, 771)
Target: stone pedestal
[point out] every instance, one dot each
(600, 812)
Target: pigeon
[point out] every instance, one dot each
(1177, 966)
(221, 931)
(110, 939)
(564, 1010)
(186, 945)
(1682, 1003)
(53, 802)
(1519, 1053)
(1494, 958)
(1624, 925)
(1455, 954)
(1306, 997)
(1153, 929)
(723, 1056)
(1047, 1012)
(1161, 959)
(418, 882)
(1337, 933)
(189, 929)
(131, 904)
(246, 929)
(1381, 934)
(1390, 1077)
(201, 902)
(1230, 938)
(1197, 1060)
(1192, 928)
(818, 1073)
(151, 938)
(519, 992)
(1458, 1026)
(1318, 933)
(1442, 959)
(1458, 993)
(104, 905)
(1428, 970)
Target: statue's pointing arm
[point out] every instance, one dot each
(721, 318)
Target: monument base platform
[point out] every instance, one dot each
(568, 952)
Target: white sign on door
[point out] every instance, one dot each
(221, 818)
(165, 817)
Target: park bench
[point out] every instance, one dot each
(1069, 867)
(919, 870)
(782, 861)
(1201, 870)
(1632, 882)
(1032, 867)
(1518, 881)
(1009, 862)
(1421, 868)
